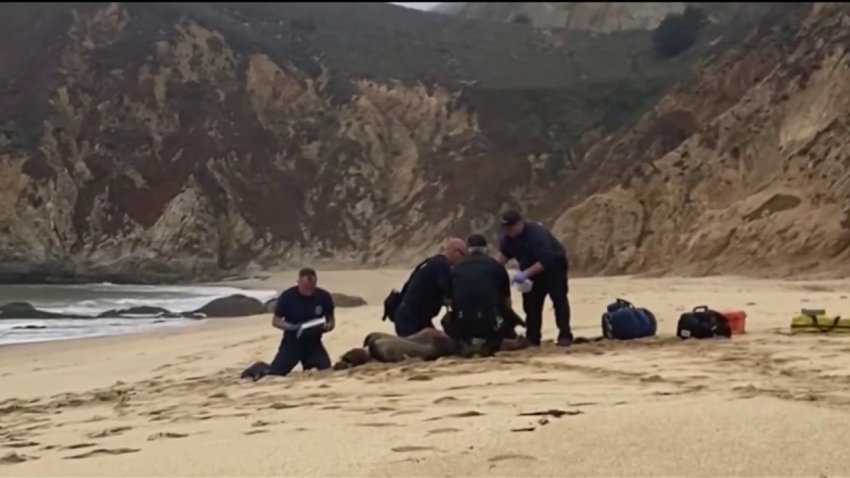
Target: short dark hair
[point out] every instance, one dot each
(307, 272)
(476, 240)
(509, 218)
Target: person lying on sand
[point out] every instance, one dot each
(480, 297)
(304, 313)
(427, 344)
(427, 290)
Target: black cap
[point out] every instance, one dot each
(307, 272)
(476, 240)
(509, 218)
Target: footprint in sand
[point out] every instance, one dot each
(166, 435)
(77, 446)
(582, 404)
(103, 451)
(255, 432)
(535, 380)
(109, 432)
(411, 448)
(443, 430)
(21, 444)
(13, 458)
(445, 400)
(405, 412)
(420, 378)
(511, 456)
(378, 424)
(469, 414)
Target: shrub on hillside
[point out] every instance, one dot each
(678, 32)
(521, 19)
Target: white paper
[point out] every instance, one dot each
(320, 322)
(314, 323)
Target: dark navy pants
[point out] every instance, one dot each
(554, 284)
(408, 323)
(311, 354)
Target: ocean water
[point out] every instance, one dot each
(92, 299)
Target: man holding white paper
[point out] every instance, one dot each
(304, 313)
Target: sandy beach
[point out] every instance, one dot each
(170, 402)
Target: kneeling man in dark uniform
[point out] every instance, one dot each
(427, 290)
(304, 313)
(480, 298)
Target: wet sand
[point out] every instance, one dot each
(170, 402)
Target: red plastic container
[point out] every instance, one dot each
(737, 321)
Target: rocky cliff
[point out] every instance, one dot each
(184, 141)
(760, 181)
(602, 17)
(178, 141)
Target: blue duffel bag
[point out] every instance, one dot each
(624, 321)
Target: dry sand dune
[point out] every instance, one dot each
(170, 403)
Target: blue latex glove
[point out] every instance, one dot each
(521, 277)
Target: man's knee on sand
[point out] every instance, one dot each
(291, 353)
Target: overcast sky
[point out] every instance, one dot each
(417, 5)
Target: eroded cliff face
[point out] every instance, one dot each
(185, 158)
(760, 186)
(168, 142)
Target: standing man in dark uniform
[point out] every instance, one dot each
(543, 260)
(481, 298)
(427, 290)
(296, 308)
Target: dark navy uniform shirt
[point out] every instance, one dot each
(535, 244)
(428, 287)
(479, 283)
(297, 308)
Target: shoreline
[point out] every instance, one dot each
(48, 313)
(343, 281)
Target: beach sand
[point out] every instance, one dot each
(170, 402)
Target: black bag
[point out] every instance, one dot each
(391, 304)
(393, 300)
(703, 323)
(624, 321)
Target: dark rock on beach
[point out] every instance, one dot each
(142, 310)
(24, 310)
(342, 300)
(233, 306)
(29, 327)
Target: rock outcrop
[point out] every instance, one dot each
(754, 177)
(24, 310)
(179, 141)
(232, 306)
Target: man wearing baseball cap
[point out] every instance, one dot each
(543, 261)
